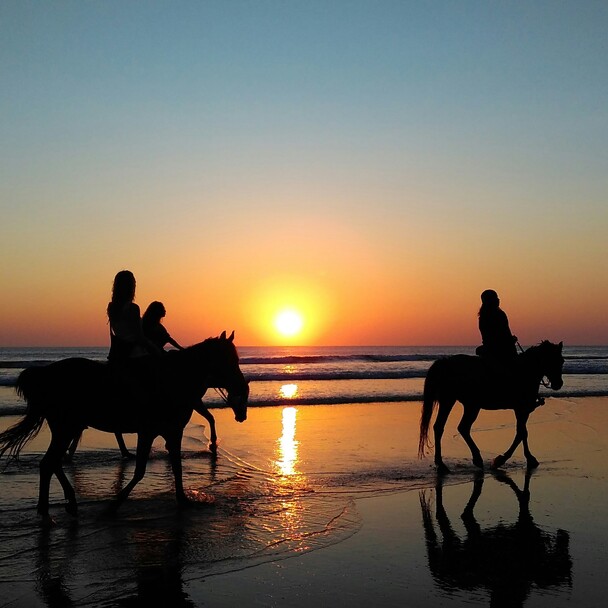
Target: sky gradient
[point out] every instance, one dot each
(374, 165)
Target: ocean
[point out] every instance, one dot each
(324, 375)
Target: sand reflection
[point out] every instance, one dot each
(510, 561)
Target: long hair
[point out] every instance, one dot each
(123, 291)
(154, 313)
(489, 301)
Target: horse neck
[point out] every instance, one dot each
(533, 362)
(200, 351)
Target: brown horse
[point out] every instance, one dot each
(153, 396)
(472, 381)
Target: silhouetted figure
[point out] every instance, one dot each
(150, 396)
(153, 328)
(498, 343)
(472, 381)
(127, 339)
(157, 333)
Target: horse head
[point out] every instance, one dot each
(551, 363)
(226, 374)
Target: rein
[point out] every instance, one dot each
(222, 393)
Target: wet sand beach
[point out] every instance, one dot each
(325, 505)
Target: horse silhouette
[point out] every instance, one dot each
(199, 408)
(506, 560)
(473, 381)
(153, 396)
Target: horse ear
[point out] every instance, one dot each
(223, 336)
(561, 344)
(231, 338)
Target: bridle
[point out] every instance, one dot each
(222, 393)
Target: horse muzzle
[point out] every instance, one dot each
(238, 403)
(556, 384)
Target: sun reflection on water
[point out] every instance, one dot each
(290, 481)
(288, 445)
(289, 391)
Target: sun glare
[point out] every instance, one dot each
(289, 311)
(289, 323)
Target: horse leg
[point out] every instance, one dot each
(124, 452)
(464, 428)
(521, 435)
(73, 445)
(144, 445)
(522, 427)
(208, 416)
(445, 407)
(502, 458)
(174, 445)
(71, 505)
(51, 463)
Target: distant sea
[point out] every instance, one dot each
(308, 376)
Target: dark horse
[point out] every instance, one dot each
(474, 382)
(154, 396)
(199, 408)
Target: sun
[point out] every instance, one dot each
(289, 323)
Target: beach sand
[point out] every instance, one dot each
(325, 505)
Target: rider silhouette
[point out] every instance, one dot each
(153, 328)
(127, 340)
(498, 341)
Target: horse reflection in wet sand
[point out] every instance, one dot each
(155, 397)
(481, 384)
(507, 560)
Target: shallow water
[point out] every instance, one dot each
(286, 483)
(282, 485)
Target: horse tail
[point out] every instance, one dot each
(13, 439)
(429, 401)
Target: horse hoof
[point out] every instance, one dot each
(72, 509)
(442, 469)
(499, 461)
(532, 463)
(46, 521)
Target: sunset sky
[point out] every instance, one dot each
(371, 166)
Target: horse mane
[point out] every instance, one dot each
(200, 348)
(542, 345)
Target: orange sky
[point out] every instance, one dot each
(241, 161)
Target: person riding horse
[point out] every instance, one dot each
(498, 343)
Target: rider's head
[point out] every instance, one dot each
(123, 289)
(490, 298)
